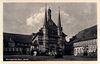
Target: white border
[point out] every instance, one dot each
(45, 62)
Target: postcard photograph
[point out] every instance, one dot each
(50, 31)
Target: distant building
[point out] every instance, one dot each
(50, 37)
(85, 42)
(16, 44)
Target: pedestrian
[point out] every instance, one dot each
(35, 53)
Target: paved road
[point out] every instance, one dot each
(46, 58)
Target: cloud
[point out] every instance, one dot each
(36, 20)
(64, 14)
(87, 9)
(66, 17)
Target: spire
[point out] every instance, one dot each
(49, 13)
(59, 19)
(45, 30)
(59, 25)
(45, 17)
(60, 42)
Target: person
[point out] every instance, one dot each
(35, 53)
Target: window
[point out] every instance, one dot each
(75, 51)
(20, 49)
(9, 49)
(13, 49)
(16, 49)
(6, 49)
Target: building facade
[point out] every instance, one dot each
(16, 44)
(86, 48)
(85, 43)
(50, 37)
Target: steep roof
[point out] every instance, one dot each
(20, 38)
(86, 34)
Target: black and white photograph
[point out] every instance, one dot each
(50, 31)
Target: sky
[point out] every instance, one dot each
(28, 18)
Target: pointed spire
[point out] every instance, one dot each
(45, 17)
(59, 19)
(49, 13)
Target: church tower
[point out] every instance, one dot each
(59, 49)
(45, 31)
(59, 30)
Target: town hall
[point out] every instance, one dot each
(50, 39)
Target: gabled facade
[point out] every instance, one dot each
(49, 37)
